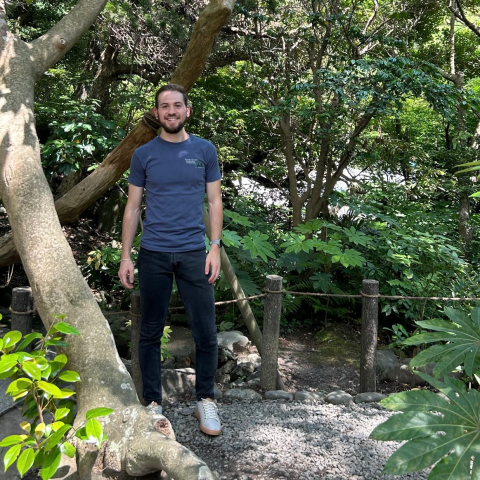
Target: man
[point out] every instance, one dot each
(175, 169)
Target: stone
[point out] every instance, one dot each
(386, 359)
(217, 393)
(278, 395)
(339, 397)
(177, 382)
(228, 367)
(247, 394)
(242, 370)
(368, 397)
(229, 339)
(401, 373)
(303, 396)
(225, 356)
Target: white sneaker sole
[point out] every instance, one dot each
(207, 430)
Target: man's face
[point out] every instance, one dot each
(172, 112)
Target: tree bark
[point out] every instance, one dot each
(139, 441)
(80, 197)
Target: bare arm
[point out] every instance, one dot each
(129, 229)
(215, 210)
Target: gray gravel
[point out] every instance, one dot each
(290, 440)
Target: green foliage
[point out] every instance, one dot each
(48, 406)
(79, 136)
(436, 430)
(462, 347)
(164, 353)
(444, 430)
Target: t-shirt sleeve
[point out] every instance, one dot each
(212, 173)
(137, 172)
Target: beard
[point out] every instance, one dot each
(172, 128)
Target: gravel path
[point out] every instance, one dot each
(290, 440)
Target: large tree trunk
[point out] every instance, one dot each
(80, 197)
(139, 442)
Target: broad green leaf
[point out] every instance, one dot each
(349, 258)
(231, 238)
(66, 328)
(20, 384)
(98, 412)
(69, 376)
(40, 430)
(258, 246)
(68, 449)
(11, 455)
(322, 281)
(12, 440)
(25, 461)
(26, 426)
(436, 430)
(462, 335)
(10, 339)
(56, 343)
(56, 437)
(94, 430)
(51, 463)
(65, 393)
(32, 370)
(20, 394)
(50, 388)
(61, 413)
(28, 339)
(7, 367)
(237, 218)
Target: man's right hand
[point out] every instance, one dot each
(126, 273)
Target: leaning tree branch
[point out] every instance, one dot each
(82, 195)
(460, 14)
(53, 45)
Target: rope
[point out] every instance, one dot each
(310, 294)
(387, 297)
(28, 312)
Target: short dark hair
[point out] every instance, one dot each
(171, 87)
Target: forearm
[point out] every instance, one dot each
(129, 230)
(215, 212)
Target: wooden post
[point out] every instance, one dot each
(135, 313)
(22, 309)
(271, 332)
(368, 360)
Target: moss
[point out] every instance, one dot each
(337, 345)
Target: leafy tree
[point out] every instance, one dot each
(57, 284)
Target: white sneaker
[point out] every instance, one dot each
(207, 413)
(155, 408)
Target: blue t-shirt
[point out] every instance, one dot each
(174, 176)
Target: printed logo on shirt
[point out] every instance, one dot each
(194, 161)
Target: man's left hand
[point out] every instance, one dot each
(213, 263)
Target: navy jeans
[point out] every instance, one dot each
(156, 271)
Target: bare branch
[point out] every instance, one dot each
(460, 14)
(372, 17)
(53, 45)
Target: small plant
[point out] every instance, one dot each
(444, 432)
(49, 407)
(164, 341)
(399, 335)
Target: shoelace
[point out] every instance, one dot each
(209, 409)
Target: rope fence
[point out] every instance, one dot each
(331, 295)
